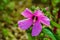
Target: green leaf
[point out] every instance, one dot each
(6, 1)
(7, 19)
(33, 8)
(55, 11)
(46, 39)
(55, 24)
(55, 2)
(30, 37)
(44, 1)
(5, 32)
(11, 5)
(1, 7)
(49, 33)
(15, 25)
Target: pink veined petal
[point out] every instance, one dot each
(38, 13)
(45, 20)
(27, 13)
(25, 24)
(36, 29)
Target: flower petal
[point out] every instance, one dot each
(45, 20)
(36, 29)
(27, 13)
(38, 12)
(25, 24)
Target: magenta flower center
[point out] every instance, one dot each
(35, 18)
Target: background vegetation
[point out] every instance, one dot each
(10, 13)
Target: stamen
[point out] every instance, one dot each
(35, 18)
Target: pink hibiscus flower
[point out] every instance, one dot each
(34, 19)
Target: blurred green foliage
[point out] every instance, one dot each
(10, 13)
